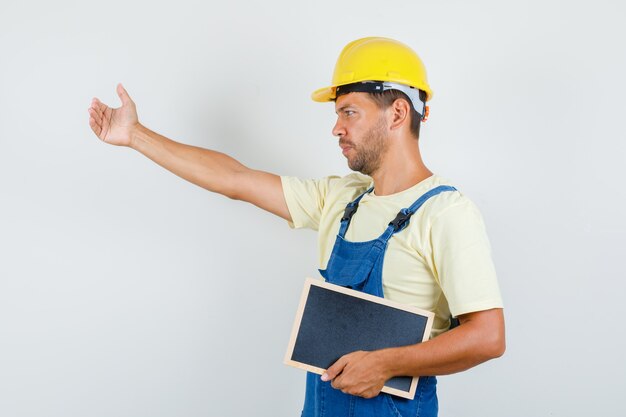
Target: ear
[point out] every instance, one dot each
(399, 114)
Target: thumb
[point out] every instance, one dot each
(123, 94)
(332, 372)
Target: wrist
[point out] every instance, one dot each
(387, 360)
(136, 132)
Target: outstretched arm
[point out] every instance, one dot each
(209, 169)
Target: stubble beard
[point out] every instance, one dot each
(368, 155)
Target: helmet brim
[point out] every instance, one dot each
(324, 94)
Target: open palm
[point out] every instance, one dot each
(114, 126)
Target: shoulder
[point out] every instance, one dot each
(450, 213)
(448, 203)
(330, 186)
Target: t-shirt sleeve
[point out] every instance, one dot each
(305, 200)
(462, 257)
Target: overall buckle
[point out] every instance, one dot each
(349, 212)
(401, 219)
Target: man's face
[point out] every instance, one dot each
(362, 132)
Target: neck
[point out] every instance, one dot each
(401, 168)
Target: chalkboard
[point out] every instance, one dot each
(332, 321)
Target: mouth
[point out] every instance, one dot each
(345, 147)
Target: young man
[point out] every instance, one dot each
(415, 239)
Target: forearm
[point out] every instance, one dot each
(457, 350)
(213, 171)
(208, 169)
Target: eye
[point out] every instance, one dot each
(349, 112)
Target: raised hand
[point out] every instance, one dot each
(114, 126)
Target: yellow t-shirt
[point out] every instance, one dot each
(441, 262)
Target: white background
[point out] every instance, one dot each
(125, 291)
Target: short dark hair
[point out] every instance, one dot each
(386, 98)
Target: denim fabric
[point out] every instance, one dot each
(358, 265)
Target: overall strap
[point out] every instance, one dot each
(351, 208)
(402, 219)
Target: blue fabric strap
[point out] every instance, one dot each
(402, 219)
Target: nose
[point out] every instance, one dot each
(339, 130)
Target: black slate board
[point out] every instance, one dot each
(333, 321)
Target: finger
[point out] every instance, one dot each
(369, 394)
(337, 383)
(96, 120)
(98, 106)
(94, 126)
(335, 369)
(95, 115)
(123, 94)
(96, 103)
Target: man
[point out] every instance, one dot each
(414, 239)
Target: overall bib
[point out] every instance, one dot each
(358, 265)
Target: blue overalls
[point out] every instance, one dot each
(359, 265)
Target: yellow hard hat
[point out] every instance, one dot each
(376, 59)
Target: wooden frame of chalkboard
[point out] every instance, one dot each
(332, 321)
